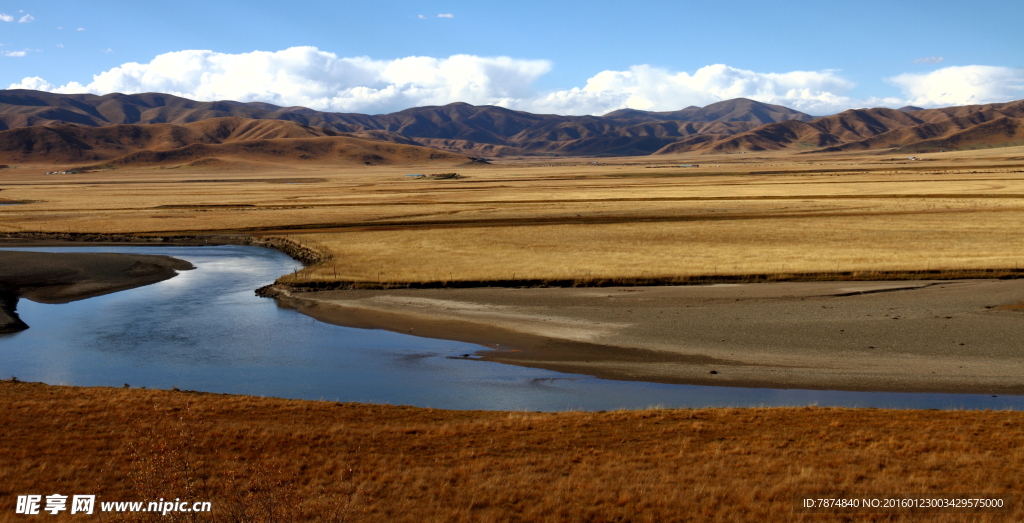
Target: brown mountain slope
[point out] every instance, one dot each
(987, 111)
(235, 139)
(879, 128)
(736, 110)
(771, 137)
(908, 135)
(458, 126)
(331, 149)
(857, 124)
(1001, 132)
(731, 125)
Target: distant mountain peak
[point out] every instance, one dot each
(734, 110)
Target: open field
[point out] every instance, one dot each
(326, 461)
(538, 219)
(624, 219)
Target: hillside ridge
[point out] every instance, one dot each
(727, 126)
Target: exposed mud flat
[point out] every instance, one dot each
(47, 277)
(921, 336)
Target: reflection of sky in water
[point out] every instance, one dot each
(205, 330)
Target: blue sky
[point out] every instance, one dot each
(566, 57)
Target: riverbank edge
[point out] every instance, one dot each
(298, 252)
(64, 277)
(10, 322)
(9, 319)
(930, 274)
(518, 348)
(530, 348)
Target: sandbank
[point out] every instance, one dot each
(47, 277)
(956, 336)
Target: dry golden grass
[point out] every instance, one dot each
(622, 219)
(322, 461)
(968, 240)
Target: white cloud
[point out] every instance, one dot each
(657, 89)
(446, 15)
(26, 19)
(6, 17)
(81, 29)
(421, 17)
(36, 84)
(961, 85)
(312, 78)
(14, 53)
(307, 76)
(930, 60)
(59, 45)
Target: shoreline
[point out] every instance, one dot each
(297, 252)
(37, 279)
(47, 277)
(561, 329)
(921, 336)
(297, 284)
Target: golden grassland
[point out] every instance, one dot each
(976, 240)
(283, 460)
(531, 219)
(261, 459)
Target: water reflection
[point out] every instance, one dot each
(206, 330)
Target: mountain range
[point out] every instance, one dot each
(213, 142)
(63, 122)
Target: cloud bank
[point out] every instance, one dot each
(312, 78)
(309, 77)
(962, 85)
(656, 89)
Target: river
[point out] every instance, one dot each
(206, 330)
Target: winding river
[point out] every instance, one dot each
(206, 330)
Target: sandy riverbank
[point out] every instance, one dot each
(63, 277)
(926, 336)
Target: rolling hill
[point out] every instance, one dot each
(727, 126)
(905, 130)
(214, 141)
(456, 127)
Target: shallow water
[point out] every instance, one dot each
(206, 330)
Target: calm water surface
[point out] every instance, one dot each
(205, 330)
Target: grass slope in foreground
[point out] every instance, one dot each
(325, 461)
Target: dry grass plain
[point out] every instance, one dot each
(623, 218)
(529, 219)
(287, 460)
